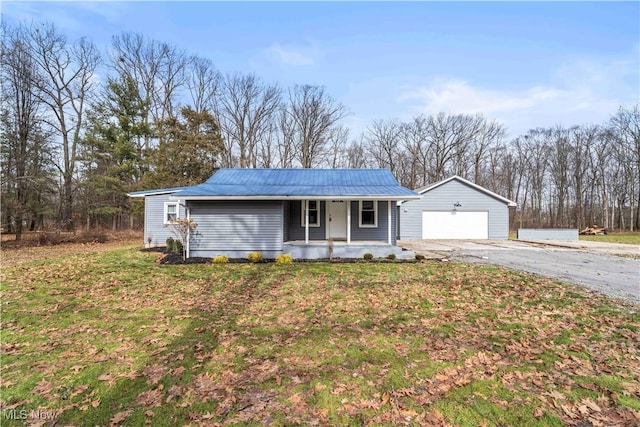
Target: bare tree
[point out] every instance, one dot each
(246, 111)
(24, 150)
(626, 125)
(203, 82)
(286, 139)
(559, 163)
(383, 141)
(336, 147)
(64, 83)
(357, 157)
(160, 71)
(313, 114)
(414, 136)
(490, 134)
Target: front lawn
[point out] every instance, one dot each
(114, 338)
(632, 238)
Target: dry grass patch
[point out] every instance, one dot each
(111, 338)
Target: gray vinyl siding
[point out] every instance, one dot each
(381, 231)
(548, 234)
(295, 229)
(154, 226)
(235, 228)
(443, 197)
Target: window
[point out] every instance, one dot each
(368, 214)
(171, 212)
(314, 213)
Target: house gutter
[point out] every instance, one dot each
(309, 197)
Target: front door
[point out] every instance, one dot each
(337, 219)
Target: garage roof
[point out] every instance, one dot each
(299, 184)
(470, 184)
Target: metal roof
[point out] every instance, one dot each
(470, 184)
(154, 192)
(298, 184)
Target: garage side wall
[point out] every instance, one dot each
(235, 228)
(442, 198)
(154, 226)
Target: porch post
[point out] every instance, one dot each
(188, 234)
(306, 221)
(348, 222)
(389, 221)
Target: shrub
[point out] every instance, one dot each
(255, 257)
(391, 256)
(220, 259)
(284, 259)
(368, 256)
(171, 245)
(49, 238)
(420, 257)
(179, 247)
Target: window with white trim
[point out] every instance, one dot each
(368, 217)
(171, 212)
(314, 213)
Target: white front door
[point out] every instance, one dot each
(336, 219)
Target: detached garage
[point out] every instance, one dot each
(455, 209)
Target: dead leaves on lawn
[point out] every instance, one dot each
(380, 344)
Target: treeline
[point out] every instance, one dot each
(82, 127)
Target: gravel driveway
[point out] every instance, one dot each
(612, 269)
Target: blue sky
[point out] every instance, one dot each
(526, 64)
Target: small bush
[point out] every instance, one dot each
(49, 238)
(255, 257)
(220, 259)
(171, 245)
(284, 259)
(391, 256)
(368, 256)
(419, 257)
(179, 247)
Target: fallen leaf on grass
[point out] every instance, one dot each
(152, 398)
(119, 418)
(43, 387)
(154, 373)
(178, 371)
(108, 378)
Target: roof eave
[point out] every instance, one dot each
(138, 194)
(308, 197)
(423, 190)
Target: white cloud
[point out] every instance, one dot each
(575, 93)
(66, 15)
(293, 55)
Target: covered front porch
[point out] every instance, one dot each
(320, 249)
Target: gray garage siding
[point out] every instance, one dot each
(154, 226)
(443, 197)
(235, 228)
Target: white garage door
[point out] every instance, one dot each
(455, 225)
